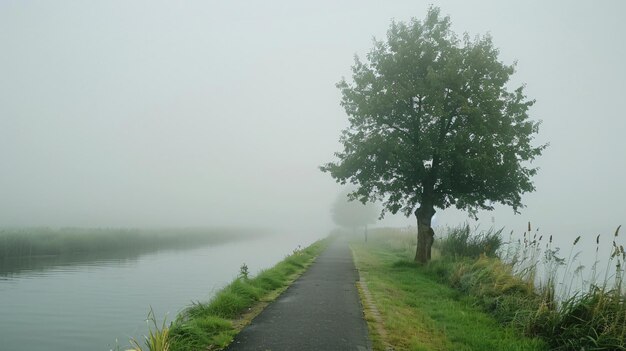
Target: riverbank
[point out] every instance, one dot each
(213, 324)
(481, 293)
(25, 243)
(413, 311)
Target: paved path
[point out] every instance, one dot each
(320, 311)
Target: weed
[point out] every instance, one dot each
(297, 250)
(158, 338)
(243, 271)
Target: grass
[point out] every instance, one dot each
(158, 338)
(421, 313)
(34, 242)
(571, 311)
(213, 324)
(529, 287)
(461, 241)
(503, 298)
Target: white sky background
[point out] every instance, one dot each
(146, 113)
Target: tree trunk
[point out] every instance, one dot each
(425, 234)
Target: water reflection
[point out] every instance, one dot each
(29, 250)
(39, 264)
(87, 302)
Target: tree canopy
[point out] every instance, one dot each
(433, 124)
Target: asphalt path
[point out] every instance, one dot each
(320, 311)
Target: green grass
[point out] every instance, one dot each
(461, 241)
(568, 315)
(158, 338)
(421, 313)
(213, 324)
(529, 287)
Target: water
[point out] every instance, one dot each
(87, 305)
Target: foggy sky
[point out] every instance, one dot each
(196, 113)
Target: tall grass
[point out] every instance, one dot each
(529, 285)
(158, 338)
(461, 241)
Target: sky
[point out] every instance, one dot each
(205, 113)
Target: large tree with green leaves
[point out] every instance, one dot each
(433, 125)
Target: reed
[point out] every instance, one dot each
(529, 285)
(463, 242)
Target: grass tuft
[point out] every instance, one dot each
(462, 242)
(158, 338)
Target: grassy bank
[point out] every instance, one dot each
(527, 284)
(481, 293)
(418, 312)
(34, 242)
(212, 325)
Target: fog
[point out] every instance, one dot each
(204, 113)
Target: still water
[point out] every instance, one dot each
(88, 305)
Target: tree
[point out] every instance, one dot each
(352, 214)
(433, 125)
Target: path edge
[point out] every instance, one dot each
(374, 321)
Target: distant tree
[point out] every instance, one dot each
(432, 125)
(353, 214)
